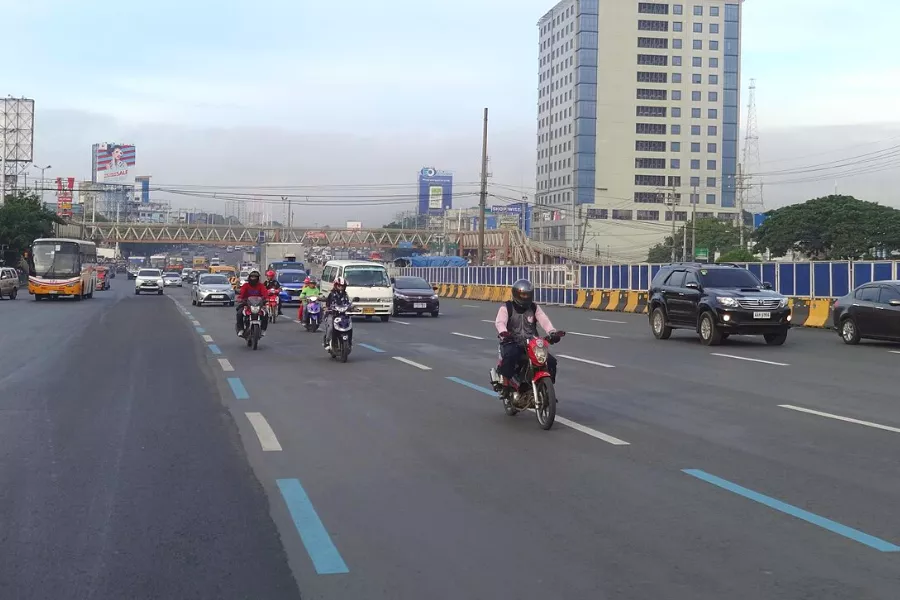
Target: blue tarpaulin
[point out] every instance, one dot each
(437, 261)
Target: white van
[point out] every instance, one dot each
(368, 281)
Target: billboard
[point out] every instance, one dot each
(354, 224)
(113, 163)
(435, 191)
(65, 189)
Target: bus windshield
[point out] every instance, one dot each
(56, 260)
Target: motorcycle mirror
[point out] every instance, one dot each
(356, 299)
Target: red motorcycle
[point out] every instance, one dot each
(531, 388)
(273, 304)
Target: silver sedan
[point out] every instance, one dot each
(212, 289)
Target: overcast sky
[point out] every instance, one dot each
(308, 94)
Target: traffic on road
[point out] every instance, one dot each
(162, 445)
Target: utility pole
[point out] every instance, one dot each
(672, 209)
(445, 231)
(482, 202)
(695, 199)
(3, 165)
(740, 195)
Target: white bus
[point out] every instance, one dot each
(63, 267)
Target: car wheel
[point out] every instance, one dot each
(709, 333)
(13, 294)
(658, 324)
(137, 292)
(231, 303)
(159, 292)
(385, 318)
(193, 302)
(849, 331)
(435, 314)
(776, 339)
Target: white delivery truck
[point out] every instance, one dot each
(282, 255)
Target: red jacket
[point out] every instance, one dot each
(248, 290)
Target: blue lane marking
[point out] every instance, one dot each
(200, 330)
(372, 348)
(215, 349)
(477, 388)
(834, 527)
(240, 392)
(324, 554)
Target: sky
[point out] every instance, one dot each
(312, 94)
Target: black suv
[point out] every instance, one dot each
(716, 301)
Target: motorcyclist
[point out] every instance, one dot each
(272, 283)
(336, 297)
(517, 321)
(253, 287)
(310, 288)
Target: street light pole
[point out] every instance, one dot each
(43, 181)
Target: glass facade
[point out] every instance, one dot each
(586, 101)
(730, 112)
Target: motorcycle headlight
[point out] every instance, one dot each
(254, 309)
(540, 353)
(728, 302)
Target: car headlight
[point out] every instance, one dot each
(783, 303)
(434, 296)
(401, 296)
(159, 282)
(728, 301)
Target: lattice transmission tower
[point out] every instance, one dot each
(750, 188)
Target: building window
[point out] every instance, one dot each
(712, 130)
(696, 78)
(711, 113)
(714, 11)
(650, 180)
(676, 43)
(676, 129)
(676, 94)
(649, 146)
(680, 215)
(698, 10)
(695, 164)
(655, 60)
(695, 199)
(653, 42)
(713, 63)
(712, 96)
(695, 181)
(648, 215)
(649, 197)
(732, 12)
(677, 9)
(653, 8)
(695, 114)
(710, 165)
(674, 181)
(676, 77)
(713, 79)
(621, 215)
(698, 44)
(698, 27)
(713, 44)
(695, 96)
(676, 61)
(710, 198)
(649, 163)
(676, 112)
(711, 182)
(695, 146)
(675, 163)
(648, 25)
(711, 147)
(697, 61)
(651, 128)
(714, 28)
(651, 111)
(675, 146)
(651, 94)
(651, 77)
(677, 26)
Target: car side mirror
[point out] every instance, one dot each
(692, 285)
(356, 299)
(393, 281)
(894, 302)
(767, 286)
(435, 288)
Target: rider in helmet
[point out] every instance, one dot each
(336, 297)
(310, 288)
(253, 287)
(517, 321)
(273, 284)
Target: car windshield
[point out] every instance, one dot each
(172, 275)
(290, 277)
(56, 260)
(412, 283)
(148, 273)
(361, 276)
(729, 278)
(213, 280)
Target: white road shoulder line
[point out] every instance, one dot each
(592, 432)
(195, 323)
(894, 351)
(226, 365)
(399, 322)
(591, 335)
(208, 339)
(412, 363)
(840, 418)
(297, 321)
(610, 321)
(471, 306)
(757, 360)
(264, 432)
(486, 321)
(586, 361)
(466, 335)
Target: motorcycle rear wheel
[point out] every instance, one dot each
(546, 414)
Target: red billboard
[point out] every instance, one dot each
(65, 187)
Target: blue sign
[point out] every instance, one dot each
(758, 219)
(404, 245)
(261, 237)
(435, 191)
(511, 209)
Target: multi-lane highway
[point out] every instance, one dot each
(146, 452)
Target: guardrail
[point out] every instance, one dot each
(812, 286)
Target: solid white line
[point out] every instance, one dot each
(466, 335)
(840, 418)
(195, 323)
(226, 366)
(584, 360)
(610, 321)
(592, 432)
(399, 322)
(894, 351)
(765, 362)
(486, 321)
(297, 321)
(414, 364)
(208, 339)
(602, 337)
(264, 432)
(471, 306)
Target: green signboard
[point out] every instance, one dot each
(701, 254)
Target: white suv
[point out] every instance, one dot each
(148, 280)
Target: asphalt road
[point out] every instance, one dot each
(676, 472)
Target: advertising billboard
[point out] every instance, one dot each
(435, 191)
(65, 189)
(113, 163)
(354, 224)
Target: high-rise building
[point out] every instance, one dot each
(637, 115)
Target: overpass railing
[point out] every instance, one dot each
(559, 284)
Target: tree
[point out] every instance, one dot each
(738, 255)
(830, 228)
(712, 234)
(23, 219)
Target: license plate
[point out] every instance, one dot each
(54, 292)
(762, 315)
(420, 305)
(219, 297)
(368, 311)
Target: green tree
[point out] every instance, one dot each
(830, 228)
(712, 234)
(23, 218)
(738, 255)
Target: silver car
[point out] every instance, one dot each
(212, 289)
(171, 279)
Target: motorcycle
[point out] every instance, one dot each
(341, 341)
(273, 305)
(253, 313)
(312, 314)
(536, 391)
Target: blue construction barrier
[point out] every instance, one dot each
(800, 279)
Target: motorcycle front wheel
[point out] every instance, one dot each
(254, 336)
(546, 412)
(274, 316)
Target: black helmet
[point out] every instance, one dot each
(523, 293)
(254, 274)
